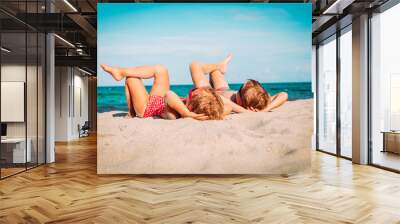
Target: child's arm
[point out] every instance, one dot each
(227, 108)
(174, 102)
(233, 106)
(277, 100)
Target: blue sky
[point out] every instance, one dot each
(269, 42)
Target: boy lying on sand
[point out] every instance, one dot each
(251, 97)
(202, 103)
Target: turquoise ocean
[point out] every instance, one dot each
(112, 98)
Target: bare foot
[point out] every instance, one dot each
(224, 63)
(115, 72)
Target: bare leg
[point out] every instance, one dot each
(199, 69)
(158, 72)
(138, 95)
(142, 72)
(131, 110)
(161, 81)
(218, 80)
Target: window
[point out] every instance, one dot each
(346, 75)
(327, 95)
(385, 89)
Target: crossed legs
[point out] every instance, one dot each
(198, 70)
(218, 80)
(136, 94)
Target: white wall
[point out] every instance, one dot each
(16, 72)
(80, 110)
(62, 82)
(34, 125)
(71, 87)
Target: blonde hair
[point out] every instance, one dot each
(254, 95)
(207, 102)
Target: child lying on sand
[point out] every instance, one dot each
(251, 96)
(209, 99)
(202, 104)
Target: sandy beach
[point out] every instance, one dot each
(277, 142)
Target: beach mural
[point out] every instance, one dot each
(197, 88)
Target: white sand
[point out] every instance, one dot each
(276, 142)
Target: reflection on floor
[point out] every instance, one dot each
(10, 169)
(387, 159)
(70, 191)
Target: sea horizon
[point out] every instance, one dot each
(192, 84)
(112, 98)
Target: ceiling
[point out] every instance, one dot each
(75, 22)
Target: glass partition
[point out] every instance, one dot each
(385, 89)
(327, 95)
(33, 60)
(32, 97)
(13, 94)
(22, 67)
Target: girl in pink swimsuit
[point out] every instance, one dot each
(159, 102)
